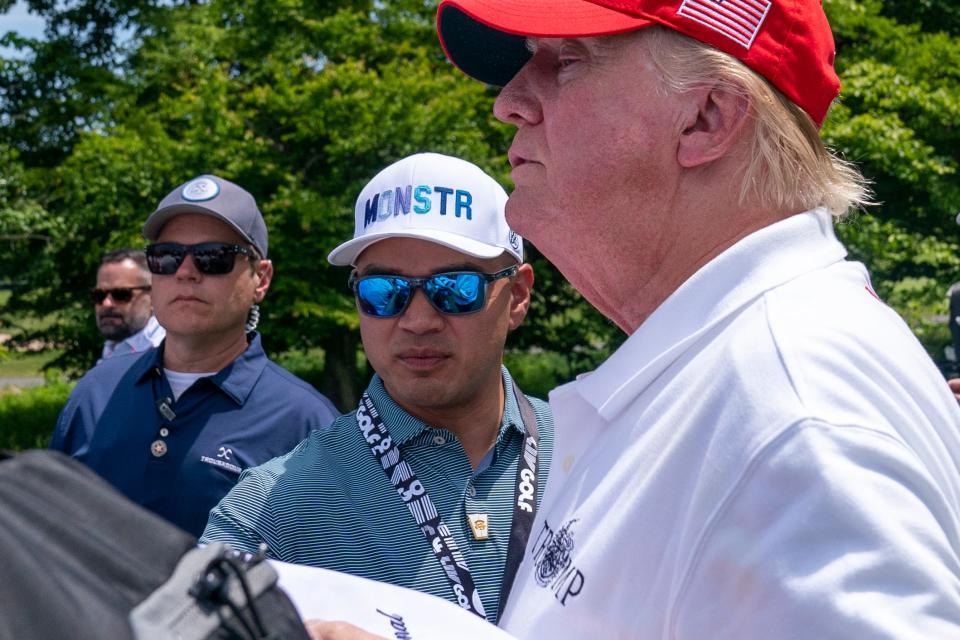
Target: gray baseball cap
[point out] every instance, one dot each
(216, 197)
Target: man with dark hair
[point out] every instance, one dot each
(433, 481)
(122, 304)
(173, 428)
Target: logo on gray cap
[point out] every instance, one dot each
(200, 190)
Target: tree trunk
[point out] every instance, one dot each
(343, 381)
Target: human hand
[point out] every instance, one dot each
(337, 630)
(954, 384)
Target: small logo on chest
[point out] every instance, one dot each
(553, 563)
(224, 460)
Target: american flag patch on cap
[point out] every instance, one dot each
(739, 20)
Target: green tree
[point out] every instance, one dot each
(932, 15)
(898, 119)
(301, 103)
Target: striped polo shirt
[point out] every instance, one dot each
(328, 503)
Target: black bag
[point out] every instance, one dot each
(79, 560)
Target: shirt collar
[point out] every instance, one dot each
(140, 341)
(512, 418)
(149, 365)
(759, 262)
(151, 331)
(403, 426)
(236, 380)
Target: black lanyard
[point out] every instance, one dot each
(421, 507)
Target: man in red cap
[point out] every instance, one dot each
(751, 463)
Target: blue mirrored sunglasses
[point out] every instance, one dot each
(453, 293)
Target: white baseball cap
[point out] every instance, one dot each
(437, 198)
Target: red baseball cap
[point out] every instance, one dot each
(788, 42)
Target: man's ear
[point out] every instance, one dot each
(715, 123)
(520, 287)
(263, 275)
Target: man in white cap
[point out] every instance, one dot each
(433, 482)
(173, 428)
(771, 453)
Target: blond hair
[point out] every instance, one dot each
(789, 166)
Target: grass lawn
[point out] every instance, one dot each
(27, 323)
(17, 365)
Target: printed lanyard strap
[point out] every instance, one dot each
(524, 498)
(421, 507)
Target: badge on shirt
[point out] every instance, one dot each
(158, 448)
(479, 525)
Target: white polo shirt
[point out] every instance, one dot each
(771, 454)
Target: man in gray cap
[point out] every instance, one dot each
(174, 427)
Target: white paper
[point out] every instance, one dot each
(384, 609)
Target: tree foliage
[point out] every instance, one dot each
(302, 102)
(299, 102)
(899, 120)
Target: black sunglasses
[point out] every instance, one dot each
(210, 258)
(120, 294)
(454, 293)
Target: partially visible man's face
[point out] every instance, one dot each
(120, 320)
(191, 303)
(432, 363)
(593, 156)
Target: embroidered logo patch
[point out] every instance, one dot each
(514, 240)
(200, 190)
(739, 20)
(224, 460)
(553, 566)
(422, 199)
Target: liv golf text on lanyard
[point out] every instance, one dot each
(438, 535)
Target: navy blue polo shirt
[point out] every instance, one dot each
(179, 465)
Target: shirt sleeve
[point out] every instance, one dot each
(832, 532)
(58, 441)
(63, 432)
(234, 521)
(327, 412)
